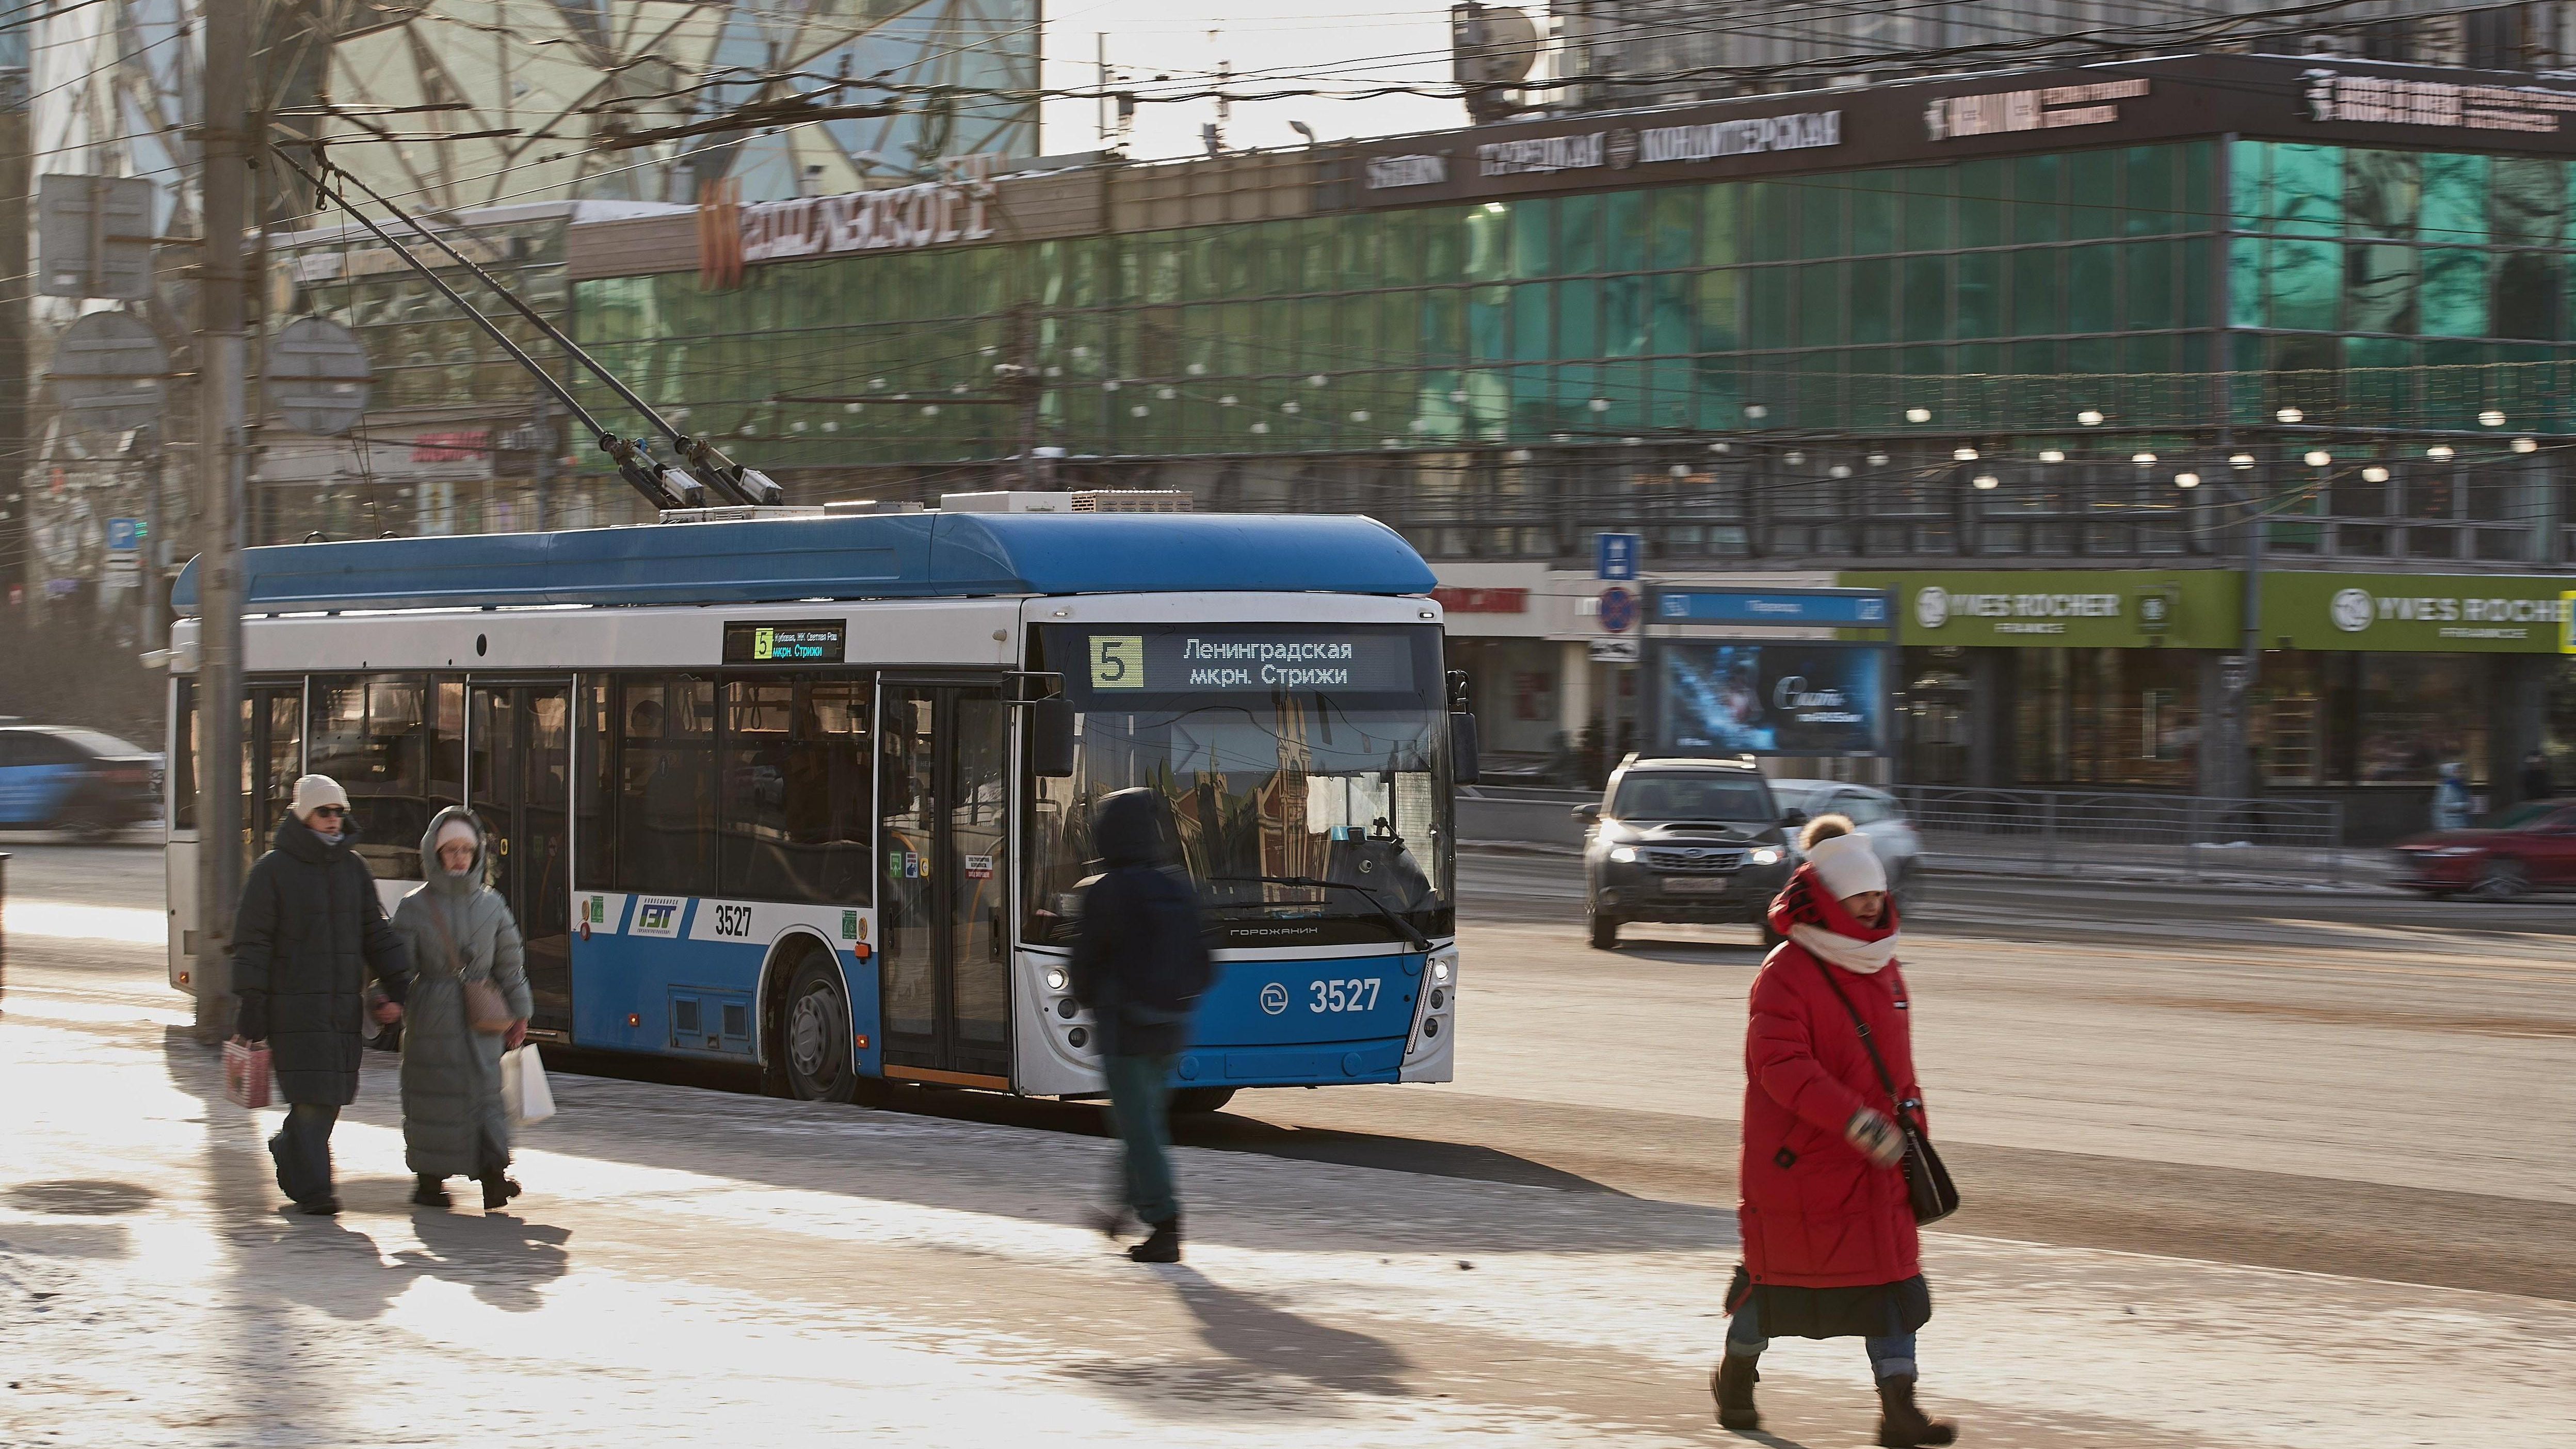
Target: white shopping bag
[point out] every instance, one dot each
(523, 1085)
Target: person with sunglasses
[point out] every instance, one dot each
(310, 935)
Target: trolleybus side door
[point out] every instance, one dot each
(942, 847)
(519, 782)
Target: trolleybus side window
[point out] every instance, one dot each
(183, 753)
(596, 754)
(666, 808)
(795, 798)
(370, 733)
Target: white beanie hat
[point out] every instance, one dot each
(457, 828)
(315, 791)
(1847, 865)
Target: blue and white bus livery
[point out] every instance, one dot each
(812, 790)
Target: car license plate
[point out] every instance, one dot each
(1696, 885)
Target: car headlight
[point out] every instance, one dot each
(1625, 854)
(2456, 851)
(1765, 855)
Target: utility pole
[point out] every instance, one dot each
(224, 156)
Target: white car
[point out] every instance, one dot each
(1879, 817)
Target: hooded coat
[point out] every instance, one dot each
(454, 1121)
(309, 934)
(1816, 1212)
(1140, 956)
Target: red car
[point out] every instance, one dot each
(2530, 847)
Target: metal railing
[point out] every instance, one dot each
(2134, 834)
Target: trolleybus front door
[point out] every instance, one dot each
(519, 782)
(943, 945)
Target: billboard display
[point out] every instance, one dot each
(1771, 698)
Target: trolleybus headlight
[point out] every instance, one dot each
(1765, 855)
(1439, 969)
(1066, 1009)
(1055, 978)
(1078, 1038)
(1625, 855)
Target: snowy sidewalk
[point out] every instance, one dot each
(697, 1268)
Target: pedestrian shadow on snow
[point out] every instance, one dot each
(1274, 1341)
(505, 1260)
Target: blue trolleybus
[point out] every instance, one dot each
(811, 789)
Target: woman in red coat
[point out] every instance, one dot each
(1829, 1243)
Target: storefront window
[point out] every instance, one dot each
(2414, 713)
(2109, 717)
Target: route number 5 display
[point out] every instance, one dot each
(1117, 661)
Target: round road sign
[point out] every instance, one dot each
(1618, 610)
(107, 372)
(318, 376)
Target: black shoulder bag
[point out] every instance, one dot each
(1927, 1182)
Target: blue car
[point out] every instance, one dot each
(52, 778)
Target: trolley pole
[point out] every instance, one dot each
(221, 290)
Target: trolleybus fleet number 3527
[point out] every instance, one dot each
(813, 792)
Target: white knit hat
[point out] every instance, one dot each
(312, 792)
(457, 828)
(1847, 865)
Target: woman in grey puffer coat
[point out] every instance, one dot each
(459, 930)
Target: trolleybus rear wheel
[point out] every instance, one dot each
(816, 1041)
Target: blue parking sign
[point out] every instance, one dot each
(1616, 554)
(122, 534)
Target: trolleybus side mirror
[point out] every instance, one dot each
(1463, 763)
(1050, 724)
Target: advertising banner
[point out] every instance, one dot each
(2416, 613)
(1786, 698)
(2065, 608)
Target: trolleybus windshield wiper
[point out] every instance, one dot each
(1404, 928)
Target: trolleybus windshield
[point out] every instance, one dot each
(1318, 752)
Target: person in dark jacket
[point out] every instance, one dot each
(309, 934)
(1830, 1249)
(1140, 963)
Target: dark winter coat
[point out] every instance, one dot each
(309, 935)
(1817, 1213)
(1140, 957)
(454, 1121)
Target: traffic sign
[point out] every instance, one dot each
(107, 372)
(124, 534)
(1615, 651)
(319, 376)
(1618, 610)
(94, 236)
(1615, 556)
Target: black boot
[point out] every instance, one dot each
(497, 1192)
(1163, 1245)
(430, 1191)
(1731, 1382)
(1903, 1426)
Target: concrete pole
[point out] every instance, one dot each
(221, 287)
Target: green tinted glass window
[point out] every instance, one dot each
(1927, 199)
(2383, 192)
(1770, 212)
(1623, 232)
(1675, 227)
(1316, 250)
(2381, 282)
(2528, 288)
(1820, 217)
(1532, 335)
(1489, 325)
(2249, 171)
(2147, 185)
(1672, 323)
(2245, 282)
(2092, 289)
(1721, 317)
(2528, 200)
(2454, 293)
(1980, 295)
(1873, 299)
(1872, 201)
(2147, 284)
(1623, 316)
(2304, 280)
(1820, 304)
(1578, 237)
(1533, 237)
(1767, 300)
(1578, 319)
(1927, 298)
(2039, 207)
(1489, 242)
(1359, 247)
(2039, 291)
(1446, 235)
(1444, 327)
(1400, 248)
(2092, 196)
(1720, 235)
(2455, 199)
(1984, 198)
(2307, 190)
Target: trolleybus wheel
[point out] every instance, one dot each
(1195, 1101)
(816, 1042)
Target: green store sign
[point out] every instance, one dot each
(2065, 608)
(2418, 613)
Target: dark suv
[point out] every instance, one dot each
(1685, 840)
(76, 780)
